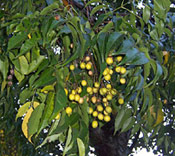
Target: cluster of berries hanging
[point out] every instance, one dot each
(99, 94)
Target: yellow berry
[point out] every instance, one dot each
(108, 109)
(109, 97)
(119, 58)
(105, 104)
(72, 67)
(105, 100)
(109, 60)
(106, 71)
(77, 97)
(73, 92)
(123, 70)
(122, 80)
(90, 110)
(107, 118)
(68, 110)
(111, 71)
(94, 124)
(104, 90)
(113, 91)
(66, 91)
(95, 90)
(95, 114)
(108, 86)
(88, 66)
(83, 65)
(118, 69)
(121, 101)
(83, 83)
(90, 72)
(87, 58)
(79, 90)
(107, 77)
(81, 100)
(57, 117)
(71, 97)
(97, 84)
(105, 113)
(89, 89)
(100, 116)
(100, 108)
(94, 99)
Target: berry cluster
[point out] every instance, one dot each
(101, 93)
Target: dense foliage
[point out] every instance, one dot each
(75, 74)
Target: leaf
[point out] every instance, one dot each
(160, 116)
(50, 8)
(47, 111)
(4, 65)
(81, 147)
(114, 41)
(146, 13)
(68, 141)
(23, 109)
(25, 94)
(92, 1)
(34, 120)
(24, 66)
(97, 8)
(29, 44)
(19, 76)
(118, 120)
(16, 40)
(25, 122)
(128, 124)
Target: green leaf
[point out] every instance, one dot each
(34, 120)
(95, 9)
(48, 110)
(68, 141)
(128, 124)
(45, 78)
(146, 13)
(50, 8)
(114, 41)
(25, 94)
(93, 1)
(118, 119)
(16, 40)
(24, 66)
(4, 65)
(81, 147)
(23, 109)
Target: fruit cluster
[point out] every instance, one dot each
(99, 94)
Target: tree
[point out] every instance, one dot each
(77, 74)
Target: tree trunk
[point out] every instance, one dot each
(106, 143)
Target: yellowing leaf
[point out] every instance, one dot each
(47, 88)
(160, 116)
(29, 36)
(24, 66)
(81, 147)
(166, 56)
(35, 104)
(25, 122)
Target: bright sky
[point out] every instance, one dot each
(143, 152)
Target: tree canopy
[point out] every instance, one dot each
(75, 74)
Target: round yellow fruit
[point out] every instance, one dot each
(113, 91)
(107, 118)
(68, 110)
(82, 65)
(77, 97)
(88, 66)
(108, 86)
(89, 89)
(81, 100)
(57, 117)
(71, 97)
(111, 71)
(97, 84)
(109, 97)
(106, 71)
(83, 83)
(123, 70)
(87, 58)
(119, 58)
(100, 108)
(118, 69)
(122, 80)
(72, 67)
(100, 116)
(109, 60)
(105, 100)
(90, 110)
(95, 90)
(107, 77)
(79, 90)
(104, 90)
(121, 101)
(95, 114)
(73, 91)
(94, 99)
(108, 109)
(94, 124)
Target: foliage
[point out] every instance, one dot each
(41, 42)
